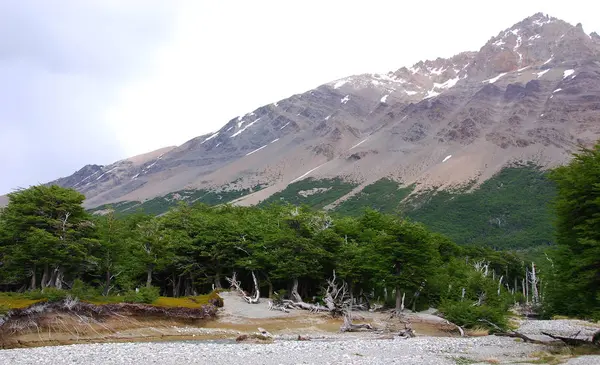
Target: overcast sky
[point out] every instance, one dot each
(94, 81)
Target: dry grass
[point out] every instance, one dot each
(477, 332)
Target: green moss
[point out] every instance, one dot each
(312, 192)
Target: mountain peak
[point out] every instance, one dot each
(530, 91)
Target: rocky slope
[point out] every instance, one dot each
(531, 93)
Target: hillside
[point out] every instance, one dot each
(530, 95)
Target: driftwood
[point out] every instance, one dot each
(235, 284)
(572, 341)
(348, 326)
(407, 332)
(569, 341)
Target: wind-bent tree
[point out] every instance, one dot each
(575, 287)
(47, 230)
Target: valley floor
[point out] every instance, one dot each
(214, 342)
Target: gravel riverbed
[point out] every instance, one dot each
(425, 351)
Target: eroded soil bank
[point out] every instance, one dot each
(186, 337)
(51, 324)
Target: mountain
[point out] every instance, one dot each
(529, 97)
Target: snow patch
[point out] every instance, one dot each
(345, 99)
(228, 129)
(359, 143)
(557, 90)
(437, 71)
(408, 92)
(209, 138)
(327, 117)
(340, 83)
(492, 80)
(243, 129)
(275, 140)
(309, 171)
(256, 150)
(384, 98)
(568, 73)
(523, 69)
(90, 176)
(499, 43)
(447, 158)
(446, 85)
(549, 59)
(537, 36)
(541, 22)
(430, 94)
(541, 73)
(135, 176)
(286, 124)
(107, 172)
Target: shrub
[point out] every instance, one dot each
(215, 299)
(144, 295)
(466, 315)
(50, 294)
(84, 291)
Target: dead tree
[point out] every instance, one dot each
(235, 284)
(407, 332)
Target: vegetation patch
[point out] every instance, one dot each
(509, 211)
(312, 192)
(162, 204)
(383, 195)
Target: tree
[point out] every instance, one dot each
(576, 276)
(403, 254)
(47, 227)
(113, 251)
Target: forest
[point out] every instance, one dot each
(50, 246)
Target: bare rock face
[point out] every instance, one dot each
(532, 92)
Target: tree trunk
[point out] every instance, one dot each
(177, 291)
(270, 289)
(45, 277)
(33, 278)
(107, 283)
(398, 299)
(218, 280)
(60, 273)
(295, 296)
(52, 281)
(149, 276)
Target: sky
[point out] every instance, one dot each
(95, 81)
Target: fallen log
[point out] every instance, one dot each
(407, 332)
(575, 342)
(521, 336)
(348, 326)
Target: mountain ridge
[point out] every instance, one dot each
(531, 93)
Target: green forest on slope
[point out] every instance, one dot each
(50, 247)
(509, 210)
